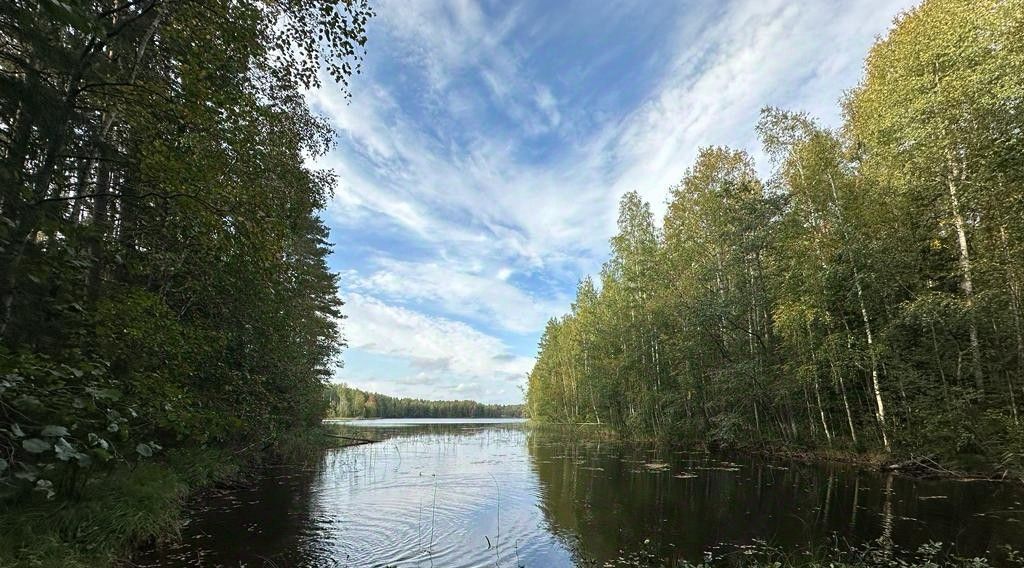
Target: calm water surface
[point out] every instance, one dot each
(458, 493)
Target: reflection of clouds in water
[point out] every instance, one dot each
(507, 496)
(463, 496)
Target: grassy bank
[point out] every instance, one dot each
(126, 508)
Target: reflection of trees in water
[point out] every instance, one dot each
(885, 540)
(254, 524)
(599, 512)
(597, 498)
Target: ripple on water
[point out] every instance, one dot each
(450, 496)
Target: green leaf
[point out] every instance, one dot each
(104, 394)
(27, 474)
(144, 450)
(55, 431)
(35, 445)
(67, 13)
(64, 450)
(97, 441)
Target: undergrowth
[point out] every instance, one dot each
(118, 512)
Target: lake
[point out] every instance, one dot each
(467, 493)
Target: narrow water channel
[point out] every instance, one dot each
(463, 493)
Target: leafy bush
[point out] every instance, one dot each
(63, 419)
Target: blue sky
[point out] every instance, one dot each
(486, 144)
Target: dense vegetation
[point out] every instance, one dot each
(347, 402)
(866, 296)
(163, 281)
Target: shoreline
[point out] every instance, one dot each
(127, 510)
(908, 465)
(160, 495)
(764, 555)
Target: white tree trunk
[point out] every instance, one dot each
(966, 283)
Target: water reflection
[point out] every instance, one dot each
(604, 498)
(461, 495)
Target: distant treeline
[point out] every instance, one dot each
(347, 402)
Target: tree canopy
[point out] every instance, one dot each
(162, 266)
(865, 295)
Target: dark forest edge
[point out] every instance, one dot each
(347, 402)
(863, 301)
(166, 311)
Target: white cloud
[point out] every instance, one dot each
(439, 347)
(482, 201)
(424, 161)
(460, 288)
(799, 55)
(419, 356)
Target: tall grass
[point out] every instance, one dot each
(114, 514)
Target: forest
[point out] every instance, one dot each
(348, 402)
(169, 319)
(163, 283)
(862, 296)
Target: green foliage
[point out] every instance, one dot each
(866, 296)
(347, 402)
(68, 418)
(112, 515)
(163, 281)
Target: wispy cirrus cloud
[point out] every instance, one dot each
(484, 151)
(466, 291)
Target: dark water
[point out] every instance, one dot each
(454, 494)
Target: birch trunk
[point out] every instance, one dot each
(876, 386)
(1013, 284)
(967, 282)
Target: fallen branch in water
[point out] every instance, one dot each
(358, 440)
(925, 465)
